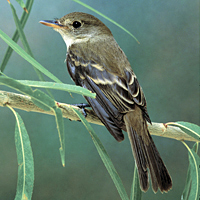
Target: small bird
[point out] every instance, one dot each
(96, 62)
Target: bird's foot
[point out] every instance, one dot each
(82, 106)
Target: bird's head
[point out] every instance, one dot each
(77, 26)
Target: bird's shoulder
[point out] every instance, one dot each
(105, 53)
(109, 69)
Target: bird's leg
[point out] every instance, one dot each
(82, 106)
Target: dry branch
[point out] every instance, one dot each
(24, 102)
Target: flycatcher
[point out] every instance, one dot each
(96, 62)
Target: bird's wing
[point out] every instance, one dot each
(115, 94)
(101, 105)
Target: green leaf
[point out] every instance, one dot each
(23, 39)
(191, 129)
(21, 3)
(43, 101)
(104, 16)
(15, 37)
(105, 157)
(15, 85)
(136, 193)
(25, 160)
(59, 86)
(61, 134)
(192, 185)
(27, 57)
(20, 30)
(196, 147)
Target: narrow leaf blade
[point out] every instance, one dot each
(21, 3)
(189, 128)
(105, 158)
(61, 134)
(23, 39)
(104, 16)
(192, 186)
(41, 99)
(27, 57)
(15, 37)
(59, 86)
(20, 31)
(25, 161)
(136, 193)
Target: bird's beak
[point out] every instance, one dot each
(51, 23)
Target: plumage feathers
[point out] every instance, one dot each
(96, 62)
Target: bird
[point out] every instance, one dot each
(96, 62)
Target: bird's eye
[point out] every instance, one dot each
(76, 24)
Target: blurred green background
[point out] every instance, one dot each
(167, 65)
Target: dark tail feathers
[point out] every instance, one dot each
(147, 156)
